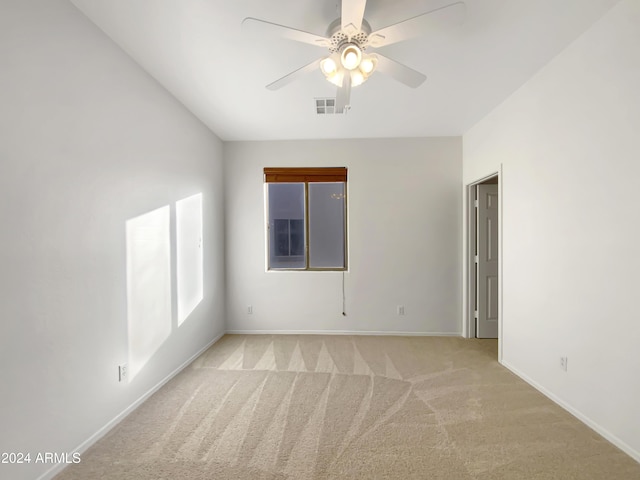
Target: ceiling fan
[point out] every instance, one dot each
(348, 64)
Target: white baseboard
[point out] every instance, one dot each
(84, 446)
(342, 332)
(580, 416)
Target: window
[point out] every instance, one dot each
(306, 218)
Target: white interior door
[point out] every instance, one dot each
(487, 262)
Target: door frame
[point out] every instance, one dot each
(469, 325)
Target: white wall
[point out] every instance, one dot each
(404, 216)
(567, 141)
(87, 142)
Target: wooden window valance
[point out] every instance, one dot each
(295, 174)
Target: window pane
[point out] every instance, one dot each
(296, 235)
(286, 225)
(326, 225)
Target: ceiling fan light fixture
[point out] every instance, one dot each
(332, 69)
(328, 66)
(351, 56)
(368, 65)
(336, 78)
(357, 78)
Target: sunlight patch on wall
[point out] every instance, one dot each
(148, 285)
(189, 255)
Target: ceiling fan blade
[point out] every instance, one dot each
(352, 15)
(273, 29)
(400, 72)
(343, 97)
(294, 75)
(444, 17)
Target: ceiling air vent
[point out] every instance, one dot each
(325, 106)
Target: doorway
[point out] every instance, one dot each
(483, 252)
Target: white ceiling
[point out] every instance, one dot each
(197, 50)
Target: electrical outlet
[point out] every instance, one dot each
(123, 372)
(563, 363)
(400, 309)
(250, 309)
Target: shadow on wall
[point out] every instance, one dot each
(149, 278)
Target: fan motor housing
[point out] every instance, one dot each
(338, 38)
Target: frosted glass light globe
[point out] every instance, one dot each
(350, 60)
(351, 57)
(328, 66)
(356, 78)
(367, 65)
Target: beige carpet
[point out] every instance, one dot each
(345, 407)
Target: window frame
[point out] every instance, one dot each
(305, 175)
